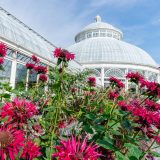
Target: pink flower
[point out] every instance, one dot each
(43, 78)
(125, 107)
(11, 141)
(116, 82)
(153, 88)
(112, 95)
(91, 81)
(18, 111)
(61, 124)
(30, 151)
(151, 105)
(1, 60)
(74, 150)
(40, 69)
(141, 112)
(134, 77)
(69, 56)
(157, 138)
(3, 50)
(57, 52)
(63, 54)
(35, 59)
(29, 65)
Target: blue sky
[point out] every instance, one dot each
(60, 20)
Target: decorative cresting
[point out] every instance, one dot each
(114, 72)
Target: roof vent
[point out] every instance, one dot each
(98, 18)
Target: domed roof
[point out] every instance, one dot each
(109, 50)
(100, 42)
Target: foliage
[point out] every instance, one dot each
(55, 113)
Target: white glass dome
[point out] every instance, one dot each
(101, 42)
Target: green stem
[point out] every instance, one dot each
(57, 109)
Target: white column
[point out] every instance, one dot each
(27, 79)
(126, 80)
(102, 77)
(13, 71)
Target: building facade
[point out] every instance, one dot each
(100, 48)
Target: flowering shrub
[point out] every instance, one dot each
(68, 117)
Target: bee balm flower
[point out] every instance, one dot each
(74, 150)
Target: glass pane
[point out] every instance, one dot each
(32, 78)
(10, 52)
(6, 73)
(23, 57)
(21, 73)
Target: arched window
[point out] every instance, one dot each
(114, 72)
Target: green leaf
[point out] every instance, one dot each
(133, 158)
(114, 132)
(91, 116)
(127, 125)
(119, 156)
(48, 151)
(59, 61)
(120, 98)
(133, 150)
(88, 129)
(6, 95)
(99, 128)
(100, 119)
(105, 144)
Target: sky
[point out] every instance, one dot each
(60, 20)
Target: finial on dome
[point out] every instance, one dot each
(98, 18)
